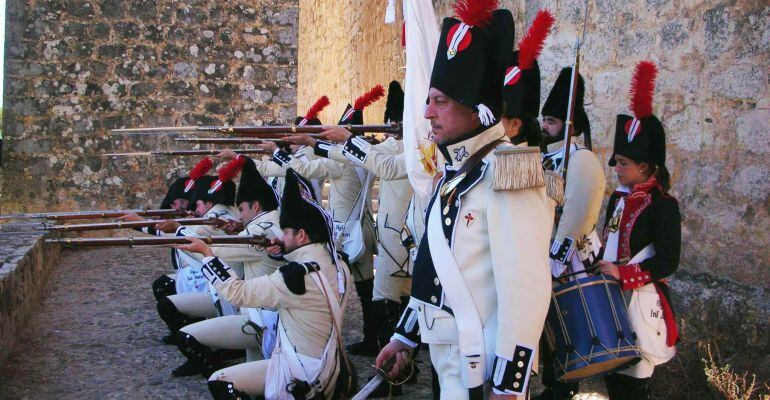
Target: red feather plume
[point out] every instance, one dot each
(231, 169)
(531, 44)
(475, 12)
(369, 97)
(201, 168)
(319, 105)
(642, 88)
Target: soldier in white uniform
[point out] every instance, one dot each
(213, 198)
(392, 282)
(575, 243)
(309, 292)
(200, 342)
(178, 199)
(481, 285)
(349, 203)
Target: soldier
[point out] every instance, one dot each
(521, 84)
(213, 198)
(349, 204)
(642, 234)
(178, 199)
(481, 285)
(392, 281)
(309, 292)
(200, 342)
(575, 244)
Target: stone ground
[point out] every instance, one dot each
(97, 336)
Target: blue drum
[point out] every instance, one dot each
(588, 328)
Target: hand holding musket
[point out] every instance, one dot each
(133, 224)
(254, 240)
(200, 246)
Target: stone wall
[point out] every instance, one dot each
(25, 263)
(75, 69)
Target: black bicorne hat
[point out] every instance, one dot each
(175, 191)
(300, 211)
(641, 137)
(558, 100)
(473, 52)
(354, 115)
(225, 195)
(253, 187)
(311, 117)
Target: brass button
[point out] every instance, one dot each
(436, 281)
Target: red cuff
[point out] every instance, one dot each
(632, 276)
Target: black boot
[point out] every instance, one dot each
(222, 390)
(174, 319)
(624, 387)
(368, 346)
(163, 286)
(200, 359)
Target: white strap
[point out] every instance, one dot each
(469, 326)
(643, 254)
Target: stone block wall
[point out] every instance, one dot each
(75, 69)
(25, 263)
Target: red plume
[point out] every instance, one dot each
(642, 88)
(201, 168)
(531, 44)
(475, 12)
(369, 97)
(228, 172)
(319, 105)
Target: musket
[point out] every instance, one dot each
(278, 142)
(131, 224)
(130, 241)
(276, 131)
(569, 121)
(95, 214)
(194, 152)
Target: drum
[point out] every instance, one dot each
(588, 328)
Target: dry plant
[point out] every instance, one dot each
(730, 384)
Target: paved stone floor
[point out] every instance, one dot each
(96, 335)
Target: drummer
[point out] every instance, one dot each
(642, 236)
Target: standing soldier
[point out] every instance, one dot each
(349, 204)
(481, 285)
(575, 243)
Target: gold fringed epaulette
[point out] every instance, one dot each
(554, 187)
(518, 168)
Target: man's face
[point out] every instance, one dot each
(180, 204)
(249, 210)
(552, 129)
(202, 207)
(448, 119)
(293, 238)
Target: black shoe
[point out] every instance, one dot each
(169, 339)
(365, 347)
(189, 368)
(222, 390)
(206, 359)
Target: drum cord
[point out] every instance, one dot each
(569, 347)
(592, 329)
(618, 328)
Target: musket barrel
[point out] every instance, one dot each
(159, 241)
(114, 214)
(129, 224)
(271, 131)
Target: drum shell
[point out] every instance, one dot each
(580, 351)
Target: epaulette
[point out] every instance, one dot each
(517, 168)
(554, 187)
